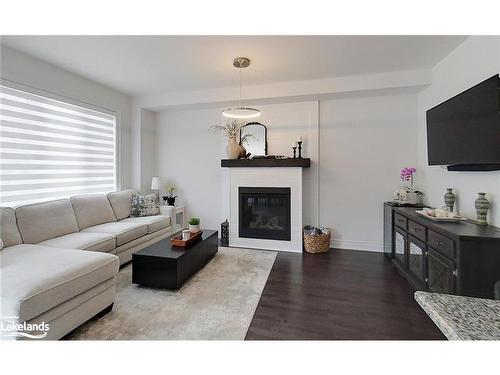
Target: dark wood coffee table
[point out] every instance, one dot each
(162, 265)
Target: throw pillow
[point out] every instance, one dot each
(145, 205)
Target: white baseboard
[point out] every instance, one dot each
(336, 244)
(357, 245)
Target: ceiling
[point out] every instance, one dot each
(144, 65)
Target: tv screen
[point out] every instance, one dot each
(466, 128)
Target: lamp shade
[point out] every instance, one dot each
(155, 183)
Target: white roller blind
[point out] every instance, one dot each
(50, 149)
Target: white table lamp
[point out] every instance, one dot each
(155, 185)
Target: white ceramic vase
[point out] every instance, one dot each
(233, 148)
(194, 228)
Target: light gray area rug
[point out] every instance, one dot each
(218, 303)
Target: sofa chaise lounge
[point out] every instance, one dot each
(60, 259)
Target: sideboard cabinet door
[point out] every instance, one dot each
(400, 248)
(441, 273)
(416, 258)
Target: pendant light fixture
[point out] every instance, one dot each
(241, 112)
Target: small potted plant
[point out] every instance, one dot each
(194, 224)
(170, 197)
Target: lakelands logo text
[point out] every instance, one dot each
(9, 327)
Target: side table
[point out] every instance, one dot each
(174, 212)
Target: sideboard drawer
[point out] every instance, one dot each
(401, 221)
(443, 244)
(416, 230)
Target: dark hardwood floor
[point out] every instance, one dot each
(342, 294)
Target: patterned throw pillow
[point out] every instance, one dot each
(145, 205)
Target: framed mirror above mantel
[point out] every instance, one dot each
(253, 137)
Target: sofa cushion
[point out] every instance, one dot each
(154, 223)
(41, 221)
(124, 232)
(144, 205)
(102, 242)
(37, 278)
(9, 233)
(121, 203)
(92, 209)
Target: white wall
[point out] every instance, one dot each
(364, 143)
(148, 149)
(477, 59)
(189, 155)
(142, 148)
(357, 147)
(285, 122)
(28, 71)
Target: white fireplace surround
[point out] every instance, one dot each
(267, 177)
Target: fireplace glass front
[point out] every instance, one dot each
(264, 212)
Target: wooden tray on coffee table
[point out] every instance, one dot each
(178, 241)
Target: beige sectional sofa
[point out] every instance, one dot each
(60, 258)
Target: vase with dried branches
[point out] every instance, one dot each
(231, 129)
(244, 139)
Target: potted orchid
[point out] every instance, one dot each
(412, 196)
(407, 175)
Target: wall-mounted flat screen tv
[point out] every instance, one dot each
(464, 131)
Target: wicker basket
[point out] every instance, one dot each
(317, 243)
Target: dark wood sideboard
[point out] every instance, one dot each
(453, 258)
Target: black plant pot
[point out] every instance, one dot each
(170, 200)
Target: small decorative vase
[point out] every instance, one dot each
(233, 148)
(194, 228)
(449, 199)
(171, 201)
(482, 205)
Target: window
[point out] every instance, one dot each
(50, 149)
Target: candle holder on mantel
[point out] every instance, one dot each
(300, 149)
(294, 152)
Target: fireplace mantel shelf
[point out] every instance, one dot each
(267, 163)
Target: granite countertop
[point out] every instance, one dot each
(462, 318)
